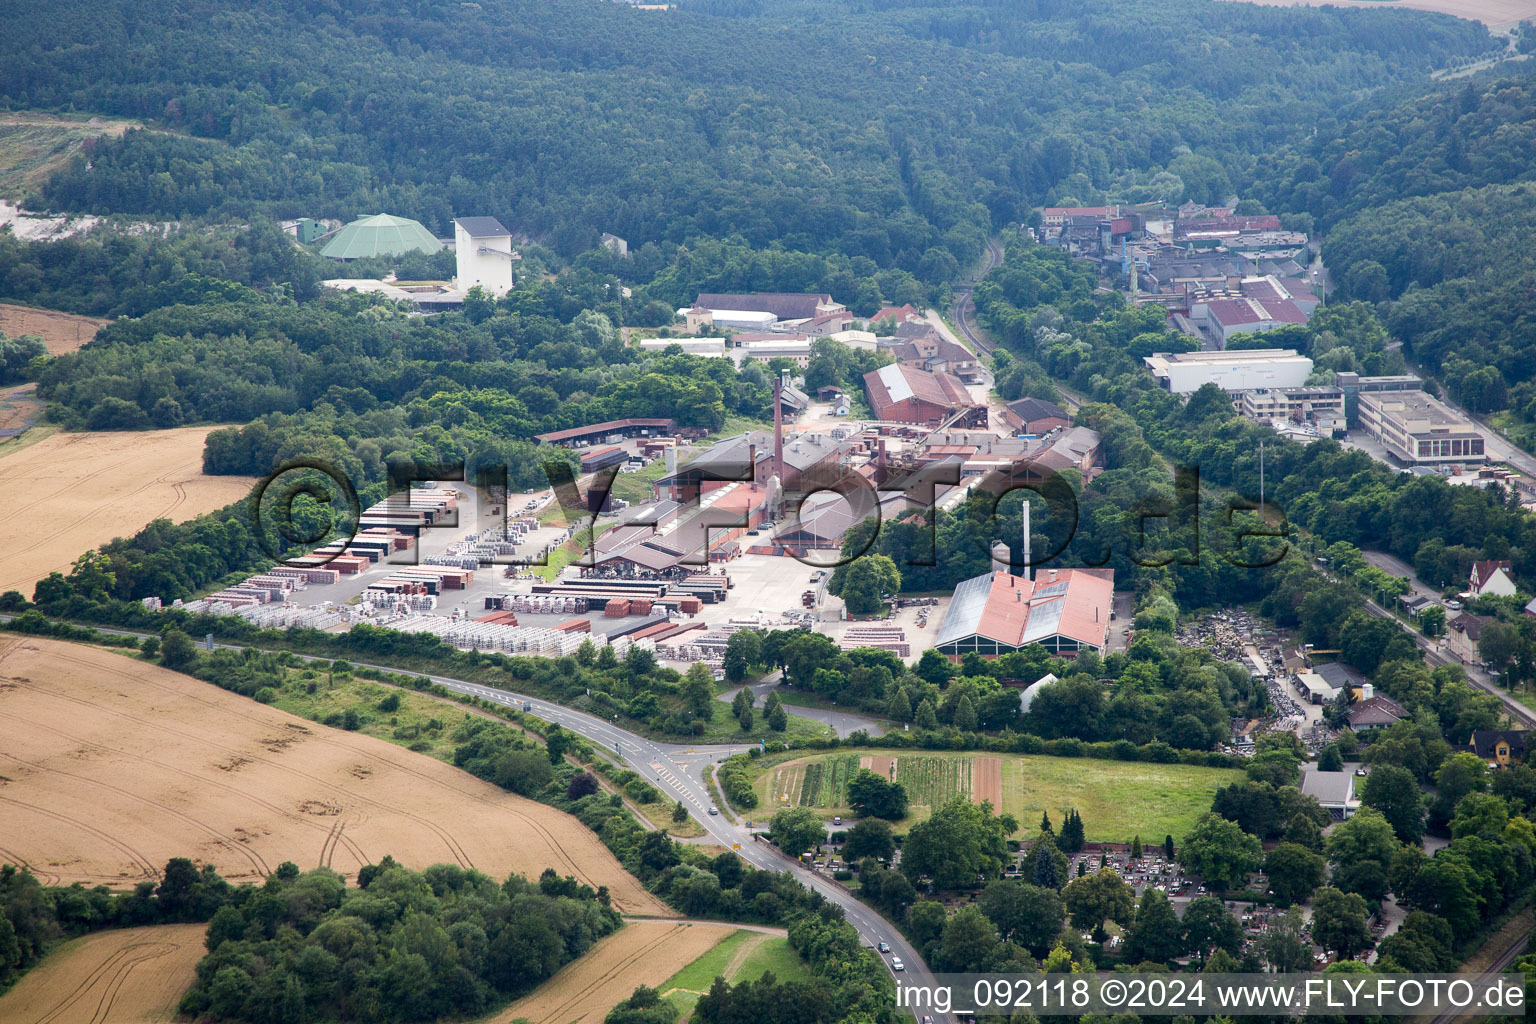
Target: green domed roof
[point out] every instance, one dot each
(380, 235)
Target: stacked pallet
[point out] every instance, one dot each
(884, 638)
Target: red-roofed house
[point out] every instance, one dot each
(1492, 577)
(906, 314)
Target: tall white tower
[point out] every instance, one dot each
(1028, 570)
(484, 254)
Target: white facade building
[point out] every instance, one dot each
(1183, 373)
(690, 346)
(484, 254)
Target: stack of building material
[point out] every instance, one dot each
(499, 619)
(884, 638)
(306, 575)
(616, 608)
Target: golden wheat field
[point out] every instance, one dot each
(640, 953)
(61, 332)
(126, 976)
(68, 493)
(112, 766)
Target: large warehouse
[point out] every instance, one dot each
(1184, 373)
(1066, 610)
(899, 393)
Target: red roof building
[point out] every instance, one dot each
(1065, 610)
(906, 314)
(899, 393)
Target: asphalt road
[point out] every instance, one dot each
(678, 771)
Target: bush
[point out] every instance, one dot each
(735, 784)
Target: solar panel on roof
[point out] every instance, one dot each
(1054, 590)
(1044, 620)
(964, 615)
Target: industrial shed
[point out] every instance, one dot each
(1068, 610)
(899, 393)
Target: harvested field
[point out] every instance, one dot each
(640, 953)
(127, 976)
(63, 332)
(73, 492)
(885, 767)
(112, 766)
(987, 781)
(1493, 13)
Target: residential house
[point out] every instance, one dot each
(1462, 635)
(1376, 711)
(1501, 747)
(897, 314)
(1492, 577)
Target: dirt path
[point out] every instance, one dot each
(125, 976)
(987, 781)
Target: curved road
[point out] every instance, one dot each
(677, 769)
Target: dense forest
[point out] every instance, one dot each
(566, 118)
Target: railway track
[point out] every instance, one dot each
(965, 311)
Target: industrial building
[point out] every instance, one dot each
(1419, 430)
(484, 255)
(899, 393)
(1035, 416)
(1066, 611)
(1354, 385)
(380, 235)
(1184, 373)
(1335, 791)
(729, 461)
(1321, 405)
(714, 347)
(782, 305)
(608, 430)
(795, 350)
